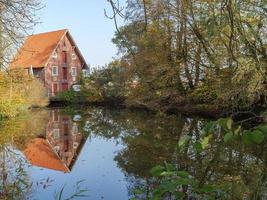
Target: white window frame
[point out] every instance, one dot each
(57, 149)
(73, 56)
(54, 74)
(54, 55)
(75, 145)
(75, 129)
(72, 74)
(56, 133)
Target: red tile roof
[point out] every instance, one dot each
(37, 49)
(39, 153)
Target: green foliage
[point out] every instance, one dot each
(172, 183)
(105, 84)
(217, 55)
(206, 93)
(68, 96)
(223, 131)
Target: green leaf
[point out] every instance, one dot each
(157, 170)
(167, 174)
(237, 131)
(229, 123)
(183, 140)
(257, 136)
(228, 136)
(178, 195)
(225, 123)
(169, 167)
(183, 174)
(182, 181)
(262, 128)
(198, 147)
(205, 142)
(222, 123)
(208, 189)
(208, 127)
(247, 137)
(139, 191)
(168, 186)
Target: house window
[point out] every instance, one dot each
(55, 88)
(64, 56)
(73, 56)
(54, 71)
(56, 133)
(75, 145)
(57, 149)
(86, 72)
(75, 129)
(54, 55)
(73, 71)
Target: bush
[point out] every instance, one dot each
(204, 94)
(107, 83)
(18, 92)
(35, 94)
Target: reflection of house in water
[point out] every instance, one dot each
(60, 146)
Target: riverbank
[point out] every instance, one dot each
(210, 111)
(186, 107)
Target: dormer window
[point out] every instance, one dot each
(54, 55)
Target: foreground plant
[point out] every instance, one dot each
(177, 181)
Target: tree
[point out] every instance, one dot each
(175, 47)
(17, 18)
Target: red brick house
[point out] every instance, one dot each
(52, 57)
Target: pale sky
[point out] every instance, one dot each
(86, 22)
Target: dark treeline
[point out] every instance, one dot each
(172, 53)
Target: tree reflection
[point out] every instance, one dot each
(149, 140)
(14, 134)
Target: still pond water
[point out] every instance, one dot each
(107, 154)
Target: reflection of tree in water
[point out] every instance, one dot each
(148, 140)
(237, 169)
(15, 183)
(151, 140)
(14, 135)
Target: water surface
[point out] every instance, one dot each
(97, 153)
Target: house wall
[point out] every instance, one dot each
(50, 81)
(64, 136)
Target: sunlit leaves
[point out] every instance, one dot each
(183, 141)
(225, 123)
(157, 170)
(205, 141)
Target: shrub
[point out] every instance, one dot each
(18, 92)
